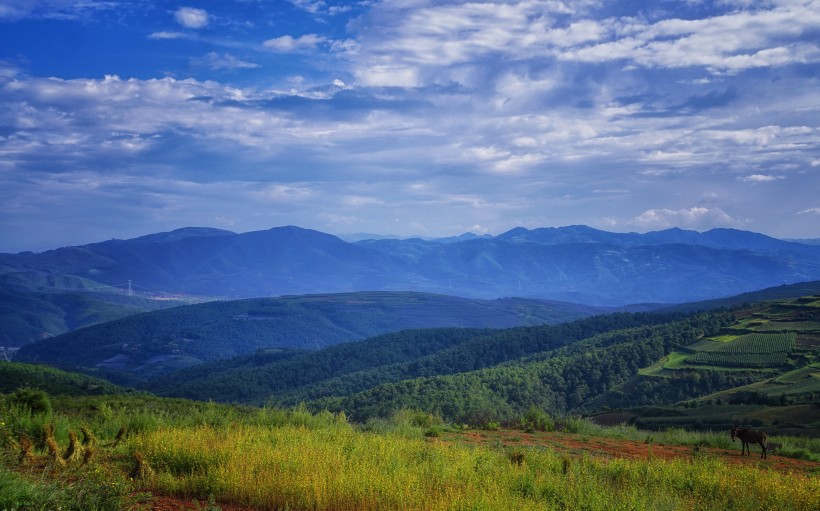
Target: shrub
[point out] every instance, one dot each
(536, 420)
(36, 401)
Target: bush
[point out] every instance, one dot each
(36, 401)
(536, 420)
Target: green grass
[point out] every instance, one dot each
(675, 360)
(363, 471)
(292, 459)
(656, 369)
(799, 375)
(750, 350)
(724, 338)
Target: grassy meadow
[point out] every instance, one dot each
(291, 459)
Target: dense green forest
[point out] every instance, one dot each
(617, 361)
(354, 367)
(561, 380)
(162, 341)
(14, 376)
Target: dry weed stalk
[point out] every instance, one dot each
(88, 453)
(74, 451)
(26, 448)
(48, 432)
(120, 436)
(88, 437)
(54, 458)
(142, 470)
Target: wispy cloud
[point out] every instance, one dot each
(167, 35)
(760, 178)
(288, 44)
(693, 218)
(221, 61)
(55, 9)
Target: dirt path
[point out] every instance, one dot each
(615, 448)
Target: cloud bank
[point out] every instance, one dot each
(427, 118)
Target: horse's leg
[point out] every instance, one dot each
(763, 452)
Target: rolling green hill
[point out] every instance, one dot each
(290, 378)
(764, 295)
(765, 355)
(36, 306)
(14, 376)
(159, 342)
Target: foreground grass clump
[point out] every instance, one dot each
(340, 468)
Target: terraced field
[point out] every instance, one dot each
(772, 354)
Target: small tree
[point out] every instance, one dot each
(536, 420)
(37, 401)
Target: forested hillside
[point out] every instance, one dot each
(351, 368)
(162, 341)
(14, 376)
(762, 354)
(560, 380)
(36, 306)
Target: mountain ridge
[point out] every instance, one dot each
(573, 263)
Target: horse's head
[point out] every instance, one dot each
(734, 434)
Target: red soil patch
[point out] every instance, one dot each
(579, 445)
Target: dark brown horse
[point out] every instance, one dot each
(750, 436)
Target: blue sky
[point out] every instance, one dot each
(408, 117)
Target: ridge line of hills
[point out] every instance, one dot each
(573, 264)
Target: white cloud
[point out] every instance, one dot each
(488, 104)
(384, 76)
(693, 218)
(167, 35)
(732, 42)
(190, 17)
(357, 200)
(288, 44)
(435, 38)
(311, 6)
(760, 178)
(283, 193)
(810, 211)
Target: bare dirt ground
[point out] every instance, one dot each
(615, 448)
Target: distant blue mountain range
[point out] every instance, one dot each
(575, 263)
